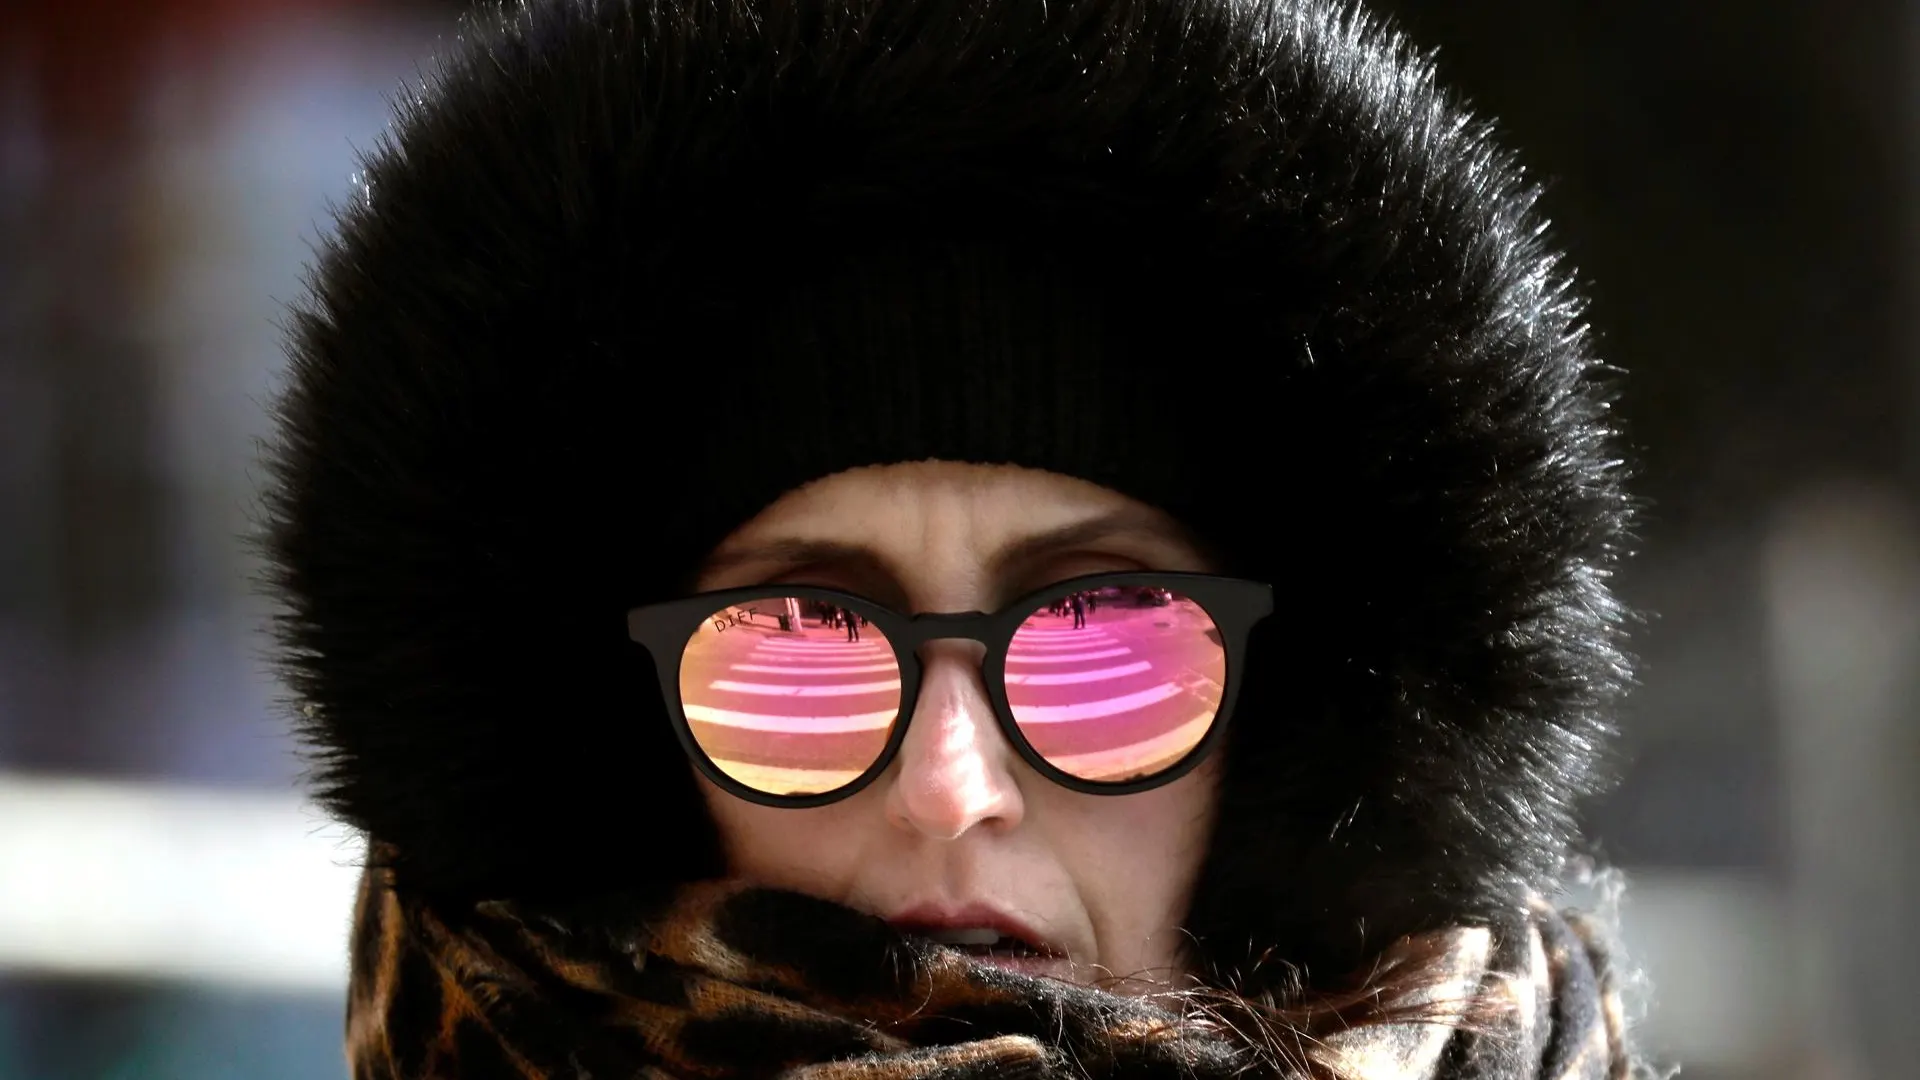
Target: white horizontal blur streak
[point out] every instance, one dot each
(256, 891)
(121, 879)
(1705, 960)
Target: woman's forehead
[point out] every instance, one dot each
(916, 521)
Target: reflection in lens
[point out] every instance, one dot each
(789, 696)
(1116, 684)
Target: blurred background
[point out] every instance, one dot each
(1734, 180)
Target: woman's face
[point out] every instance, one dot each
(959, 825)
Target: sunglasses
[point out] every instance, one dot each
(787, 695)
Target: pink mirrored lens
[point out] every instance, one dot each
(790, 696)
(1116, 684)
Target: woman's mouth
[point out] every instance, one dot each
(981, 941)
(986, 936)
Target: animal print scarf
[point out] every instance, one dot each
(724, 981)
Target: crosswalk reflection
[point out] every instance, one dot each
(801, 702)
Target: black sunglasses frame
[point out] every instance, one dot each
(1235, 606)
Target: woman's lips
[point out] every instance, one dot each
(933, 919)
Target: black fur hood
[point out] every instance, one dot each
(1259, 225)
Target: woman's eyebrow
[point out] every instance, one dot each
(792, 551)
(795, 552)
(1139, 521)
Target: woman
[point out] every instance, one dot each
(651, 318)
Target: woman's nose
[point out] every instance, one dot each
(955, 769)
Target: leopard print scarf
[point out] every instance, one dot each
(725, 981)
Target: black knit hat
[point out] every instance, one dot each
(627, 271)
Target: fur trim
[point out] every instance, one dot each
(1397, 419)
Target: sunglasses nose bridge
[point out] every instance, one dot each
(933, 626)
